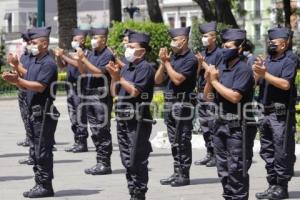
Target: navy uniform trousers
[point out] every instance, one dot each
(137, 177)
(98, 108)
(182, 154)
(228, 150)
(204, 119)
(278, 163)
(42, 145)
(77, 113)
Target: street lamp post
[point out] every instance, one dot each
(40, 13)
(131, 10)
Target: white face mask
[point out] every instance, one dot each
(205, 41)
(129, 55)
(94, 43)
(75, 45)
(28, 48)
(246, 53)
(34, 50)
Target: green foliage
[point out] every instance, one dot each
(195, 38)
(157, 109)
(158, 32)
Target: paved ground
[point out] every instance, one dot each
(71, 183)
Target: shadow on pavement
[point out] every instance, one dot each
(160, 154)
(14, 178)
(297, 174)
(75, 192)
(62, 143)
(294, 194)
(204, 181)
(8, 155)
(66, 161)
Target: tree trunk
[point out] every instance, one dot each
(287, 12)
(67, 20)
(207, 11)
(154, 11)
(115, 10)
(224, 13)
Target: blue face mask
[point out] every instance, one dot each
(229, 54)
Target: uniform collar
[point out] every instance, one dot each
(40, 59)
(279, 58)
(132, 66)
(99, 52)
(233, 67)
(182, 55)
(211, 52)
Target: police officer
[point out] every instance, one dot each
(248, 50)
(135, 86)
(39, 78)
(77, 112)
(210, 55)
(125, 39)
(97, 98)
(275, 77)
(233, 85)
(20, 66)
(179, 71)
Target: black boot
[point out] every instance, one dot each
(42, 190)
(99, 169)
(204, 160)
(168, 181)
(280, 192)
(24, 143)
(70, 149)
(266, 194)
(138, 195)
(26, 193)
(212, 162)
(26, 161)
(81, 147)
(182, 179)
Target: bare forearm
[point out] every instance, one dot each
(30, 85)
(208, 91)
(277, 82)
(227, 93)
(92, 68)
(175, 77)
(70, 61)
(160, 75)
(129, 88)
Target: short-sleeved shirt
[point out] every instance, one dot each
(25, 59)
(186, 65)
(99, 60)
(290, 54)
(238, 78)
(73, 72)
(213, 58)
(141, 75)
(281, 67)
(44, 71)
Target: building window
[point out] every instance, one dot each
(257, 31)
(8, 18)
(171, 22)
(257, 9)
(183, 21)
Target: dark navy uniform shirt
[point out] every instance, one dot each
(290, 54)
(239, 78)
(141, 75)
(212, 58)
(44, 71)
(25, 59)
(73, 72)
(282, 67)
(100, 60)
(186, 65)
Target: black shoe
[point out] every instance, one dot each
(24, 143)
(138, 195)
(168, 181)
(98, 169)
(26, 193)
(204, 160)
(70, 149)
(80, 148)
(26, 161)
(40, 191)
(266, 194)
(279, 193)
(211, 163)
(181, 180)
